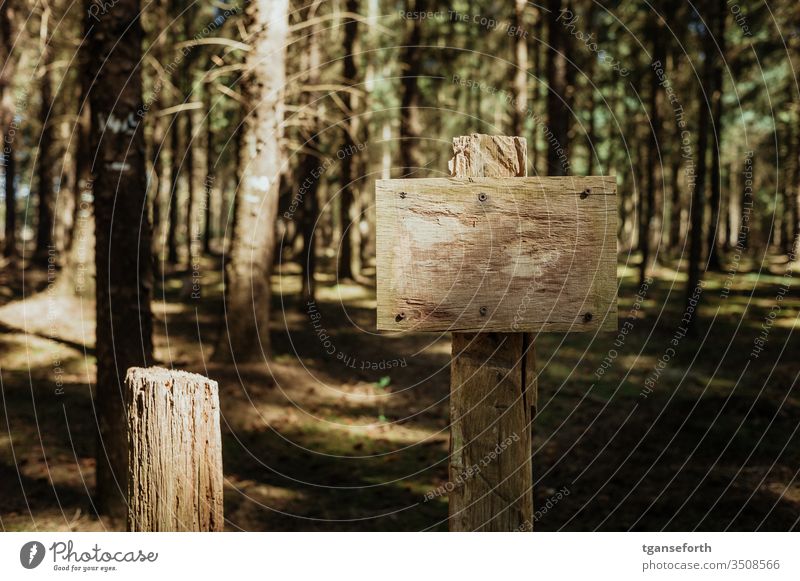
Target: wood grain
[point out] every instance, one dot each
(492, 389)
(497, 254)
(174, 451)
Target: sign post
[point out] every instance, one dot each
(494, 256)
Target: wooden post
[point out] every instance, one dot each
(493, 255)
(174, 451)
(492, 388)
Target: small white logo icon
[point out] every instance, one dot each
(31, 554)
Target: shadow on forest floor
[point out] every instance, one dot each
(350, 432)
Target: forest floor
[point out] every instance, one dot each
(351, 432)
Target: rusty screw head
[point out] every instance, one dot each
(400, 317)
(482, 197)
(483, 311)
(585, 193)
(587, 317)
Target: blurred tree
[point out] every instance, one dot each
(122, 252)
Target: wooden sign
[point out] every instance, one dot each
(497, 254)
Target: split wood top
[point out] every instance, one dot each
(497, 254)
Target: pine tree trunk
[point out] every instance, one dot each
(44, 159)
(558, 113)
(248, 293)
(410, 128)
(307, 181)
(698, 193)
(654, 160)
(520, 110)
(174, 180)
(349, 151)
(122, 252)
(8, 124)
(208, 186)
(716, 107)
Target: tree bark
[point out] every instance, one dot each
(349, 150)
(8, 123)
(558, 112)
(247, 288)
(410, 127)
(698, 193)
(208, 186)
(45, 222)
(719, 58)
(122, 251)
(174, 181)
(520, 110)
(175, 480)
(308, 168)
(654, 160)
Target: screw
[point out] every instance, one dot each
(585, 193)
(400, 317)
(483, 311)
(482, 197)
(403, 195)
(587, 317)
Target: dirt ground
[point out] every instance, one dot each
(350, 432)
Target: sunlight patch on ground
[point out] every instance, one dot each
(66, 317)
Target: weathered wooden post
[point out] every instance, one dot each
(493, 259)
(174, 451)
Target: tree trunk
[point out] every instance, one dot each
(45, 223)
(675, 207)
(558, 113)
(410, 128)
(308, 182)
(719, 59)
(8, 124)
(520, 110)
(187, 87)
(654, 160)
(247, 288)
(175, 479)
(122, 252)
(349, 149)
(698, 193)
(174, 181)
(208, 184)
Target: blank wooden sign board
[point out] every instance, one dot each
(492, 256)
